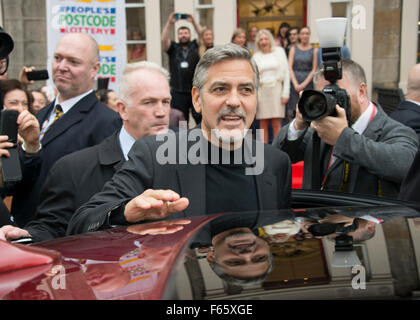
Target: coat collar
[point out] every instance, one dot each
(110, 152)
(74, 115)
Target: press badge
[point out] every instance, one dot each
(184, 65)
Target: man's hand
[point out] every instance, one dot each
(154, 205)
(23, 77)
(28, 128)
(330, 128)
(159, 227)
(9, 232)
(299, 123)
(171, 18)
(284, 101)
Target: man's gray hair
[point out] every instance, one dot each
(218, 54)
(125, 86)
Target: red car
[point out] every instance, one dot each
(315, 251)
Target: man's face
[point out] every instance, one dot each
(293, 36)
(112, 100)
(228, 99)
(184, 36)
(240, 253)
(74, 67)
(147, 111)
(253, 33)
(352, 91)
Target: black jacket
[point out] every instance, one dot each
(71, 182)
(86, 124)
(408, 113)
(144, 171)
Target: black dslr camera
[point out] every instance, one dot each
(315, 105)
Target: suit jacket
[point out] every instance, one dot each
(143, 171)
(86, 124)
(408, 113)
(411, 184)
(71, 182)
(380, 158)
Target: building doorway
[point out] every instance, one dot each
(270, 14)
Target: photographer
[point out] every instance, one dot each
(370, 153)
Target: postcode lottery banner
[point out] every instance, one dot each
(104, 20)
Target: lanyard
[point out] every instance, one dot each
(346, 167)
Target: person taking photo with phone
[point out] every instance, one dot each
(183, 58)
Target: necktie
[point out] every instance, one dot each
(58, 113)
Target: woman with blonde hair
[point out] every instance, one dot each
(274, 90)
(207, 39)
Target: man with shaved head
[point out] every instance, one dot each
(73, 121)
(408, 112)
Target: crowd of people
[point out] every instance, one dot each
(90, 158)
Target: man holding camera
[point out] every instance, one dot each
(183, 58)
(368, 153)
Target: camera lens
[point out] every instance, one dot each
(315, 106)
(322, 229)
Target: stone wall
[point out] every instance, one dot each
(25, 22)
(387, 39)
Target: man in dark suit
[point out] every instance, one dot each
(408, 112)
(73, 121)
(181, 175)
(144, 107)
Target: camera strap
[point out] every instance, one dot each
(316, 162)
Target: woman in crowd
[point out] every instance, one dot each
(281, 38)
(207, 39)
(239, 37)
(302, 66)
(39, 101)
(274, 90)
(15, 95)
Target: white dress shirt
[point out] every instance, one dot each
(126, 142)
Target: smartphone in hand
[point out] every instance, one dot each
(180, 16)
(37, 75)
(10, 166)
